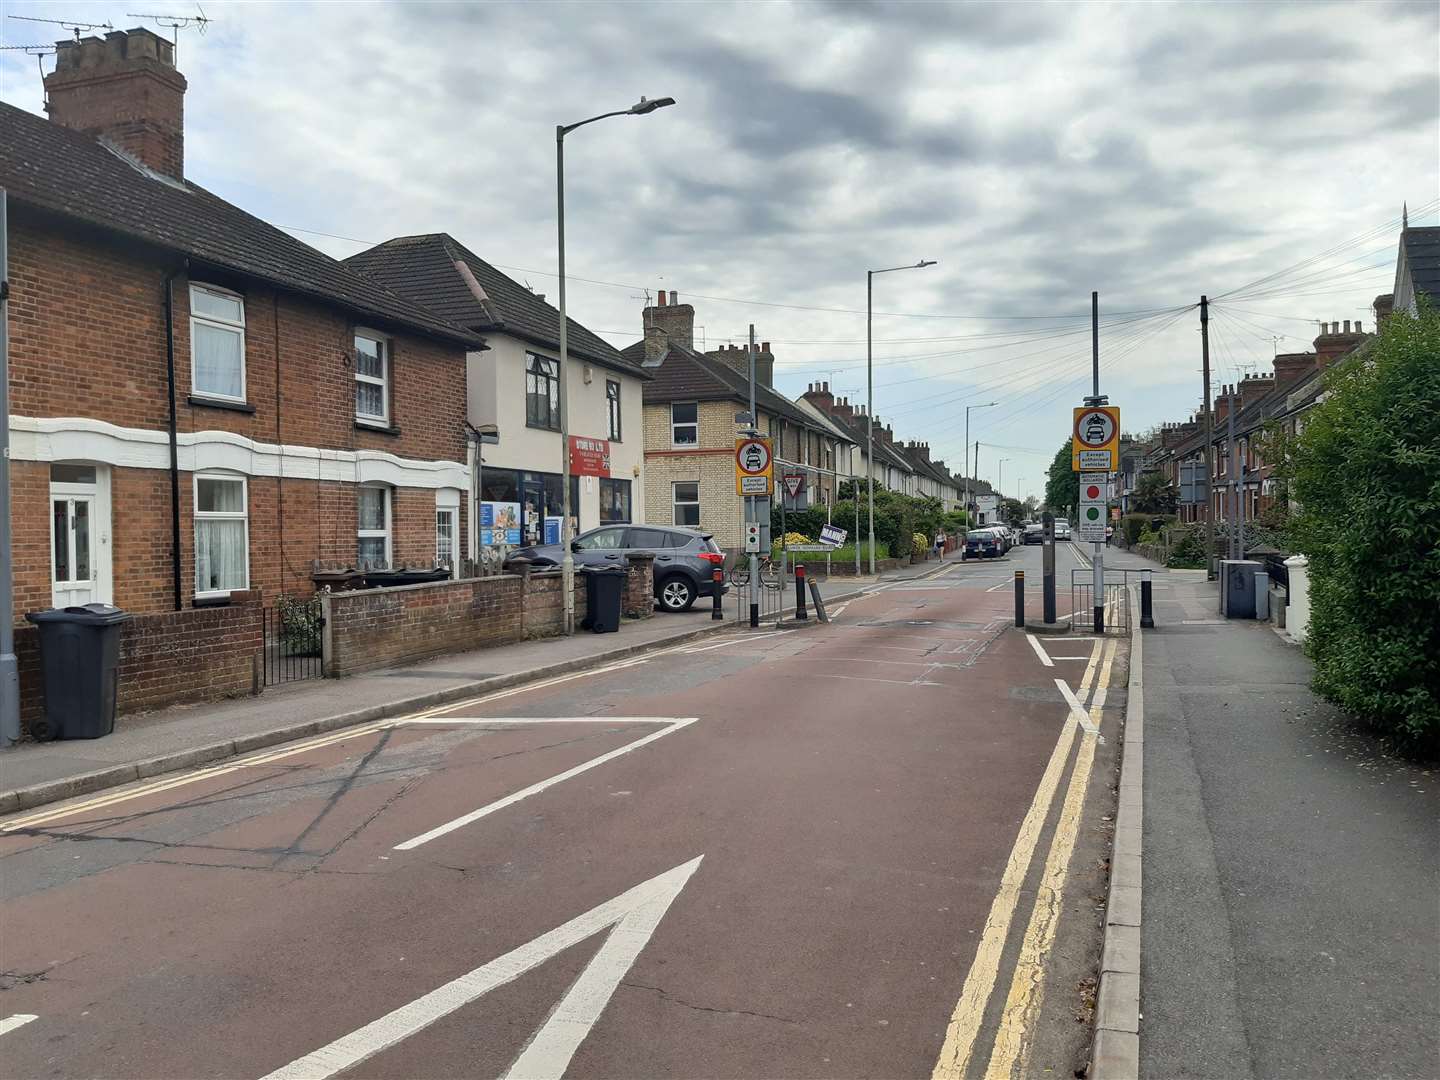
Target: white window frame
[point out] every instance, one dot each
(388, 532)
(613, 410)
(197, 515)
(676, 503)
(217, 323)
(687, 424)
(383, 381)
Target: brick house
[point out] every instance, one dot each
(201, 403)
(690, 427)
(893, 469)
(513, 385)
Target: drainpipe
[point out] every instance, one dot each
(169, 287)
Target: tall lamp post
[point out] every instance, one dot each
(567, 561)
(987, 405)
(870, 389)
(1000, 476)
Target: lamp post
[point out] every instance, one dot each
(567, 561)
(870, 389)
(987, 405)
(1000, 476)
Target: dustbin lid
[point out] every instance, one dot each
(86, 614)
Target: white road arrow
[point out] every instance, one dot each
(634, 915)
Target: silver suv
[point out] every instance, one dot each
(685, 559)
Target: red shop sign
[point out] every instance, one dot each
(589, 457)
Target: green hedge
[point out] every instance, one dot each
(1367, 477)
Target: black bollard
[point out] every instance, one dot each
(1019, 597)
(717, 594)
(1147, 614)
(800, 614)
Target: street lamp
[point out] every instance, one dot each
(1000, 476)
(567, 561)
(987, 405)
(870, 389)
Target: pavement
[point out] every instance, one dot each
(150, 743)
(873, 847)
(1291, 866)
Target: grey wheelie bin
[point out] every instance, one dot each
(80, 668)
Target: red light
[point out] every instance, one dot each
(1092, 492)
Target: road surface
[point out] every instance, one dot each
(870, 848)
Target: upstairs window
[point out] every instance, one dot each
(612, 405)
(372, 378)
(217, 343)
(684, 423)
(542, 392)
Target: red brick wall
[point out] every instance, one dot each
(184, 656)
(87, 338)
(378, 628)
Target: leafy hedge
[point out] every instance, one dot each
(1367, 477)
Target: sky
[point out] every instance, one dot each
(1257, 152)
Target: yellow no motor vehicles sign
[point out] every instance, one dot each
(754, 467)
(1095, 439)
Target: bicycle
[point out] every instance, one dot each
(768, 569)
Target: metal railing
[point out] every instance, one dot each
(770, 600)
(1117, 599)
(293, 640)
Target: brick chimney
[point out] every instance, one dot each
(1221, 406)
(843, 409)
(1292, 367)
(1253, 388)
(738, 357)
(123, 89)
(818, 394)
(677, 320)
(1334, 342)
(1384, 306)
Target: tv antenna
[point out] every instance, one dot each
(69, 24)
(37, 51)
(175, 23)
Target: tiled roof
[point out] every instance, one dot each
(424, 268)
(73, 175)
(854, 429)
(1422, 255)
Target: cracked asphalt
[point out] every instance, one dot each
(853, 792)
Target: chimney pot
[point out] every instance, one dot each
(764, 346)
(1347, 326)
(661, 301)
(1357, 327)
(674, 297)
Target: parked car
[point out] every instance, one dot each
(1034, 533)
(685, 559)
(1062, 529)
(1003, 535)
(982, 544)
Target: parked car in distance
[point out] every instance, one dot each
(1062, 529)
(982, 544)
(685, 559)
(1003, 535)
(1034, 533)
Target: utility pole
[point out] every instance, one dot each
(9, 667)
(1233, 495)
(1098, 547)
(1209, 436)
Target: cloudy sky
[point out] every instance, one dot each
(1152, 152)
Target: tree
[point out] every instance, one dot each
(1154, 494)
(1061, 484)
(1012, 510)
(1366, 475)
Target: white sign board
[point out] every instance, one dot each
(1095, 459)
(987, 503)
(832, 535)
(1093, 496)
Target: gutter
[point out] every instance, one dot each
(169, 287)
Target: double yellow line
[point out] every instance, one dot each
(1026, 992)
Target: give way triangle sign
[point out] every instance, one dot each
(793, 482)
(631, 918)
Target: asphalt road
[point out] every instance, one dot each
(871, 848)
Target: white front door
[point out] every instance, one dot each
(79, 534)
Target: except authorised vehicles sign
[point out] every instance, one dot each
(1095, 438)
(754, 466)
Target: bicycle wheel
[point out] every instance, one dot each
(770, 573)
(738, 577)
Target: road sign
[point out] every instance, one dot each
(1095, 438)
(987, 503)
(832, 535)
(1091, 523)
(809, 547)
(792, 483)
(754, 466)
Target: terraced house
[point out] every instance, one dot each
(202, 404)
(691, 404)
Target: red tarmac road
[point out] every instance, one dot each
(852, 794)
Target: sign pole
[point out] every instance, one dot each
(1099, 548)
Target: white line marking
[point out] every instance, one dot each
(1040, 651)
(535, 789)
(633, 914)
(1085, 657)
(1202, 622)
(997, 588)
(1077, 711)
(517, 720)
(840, 610)
(19, 1020)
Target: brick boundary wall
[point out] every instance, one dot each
(639, 599)
(199, 654)
(405, 624)
(846, 567)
